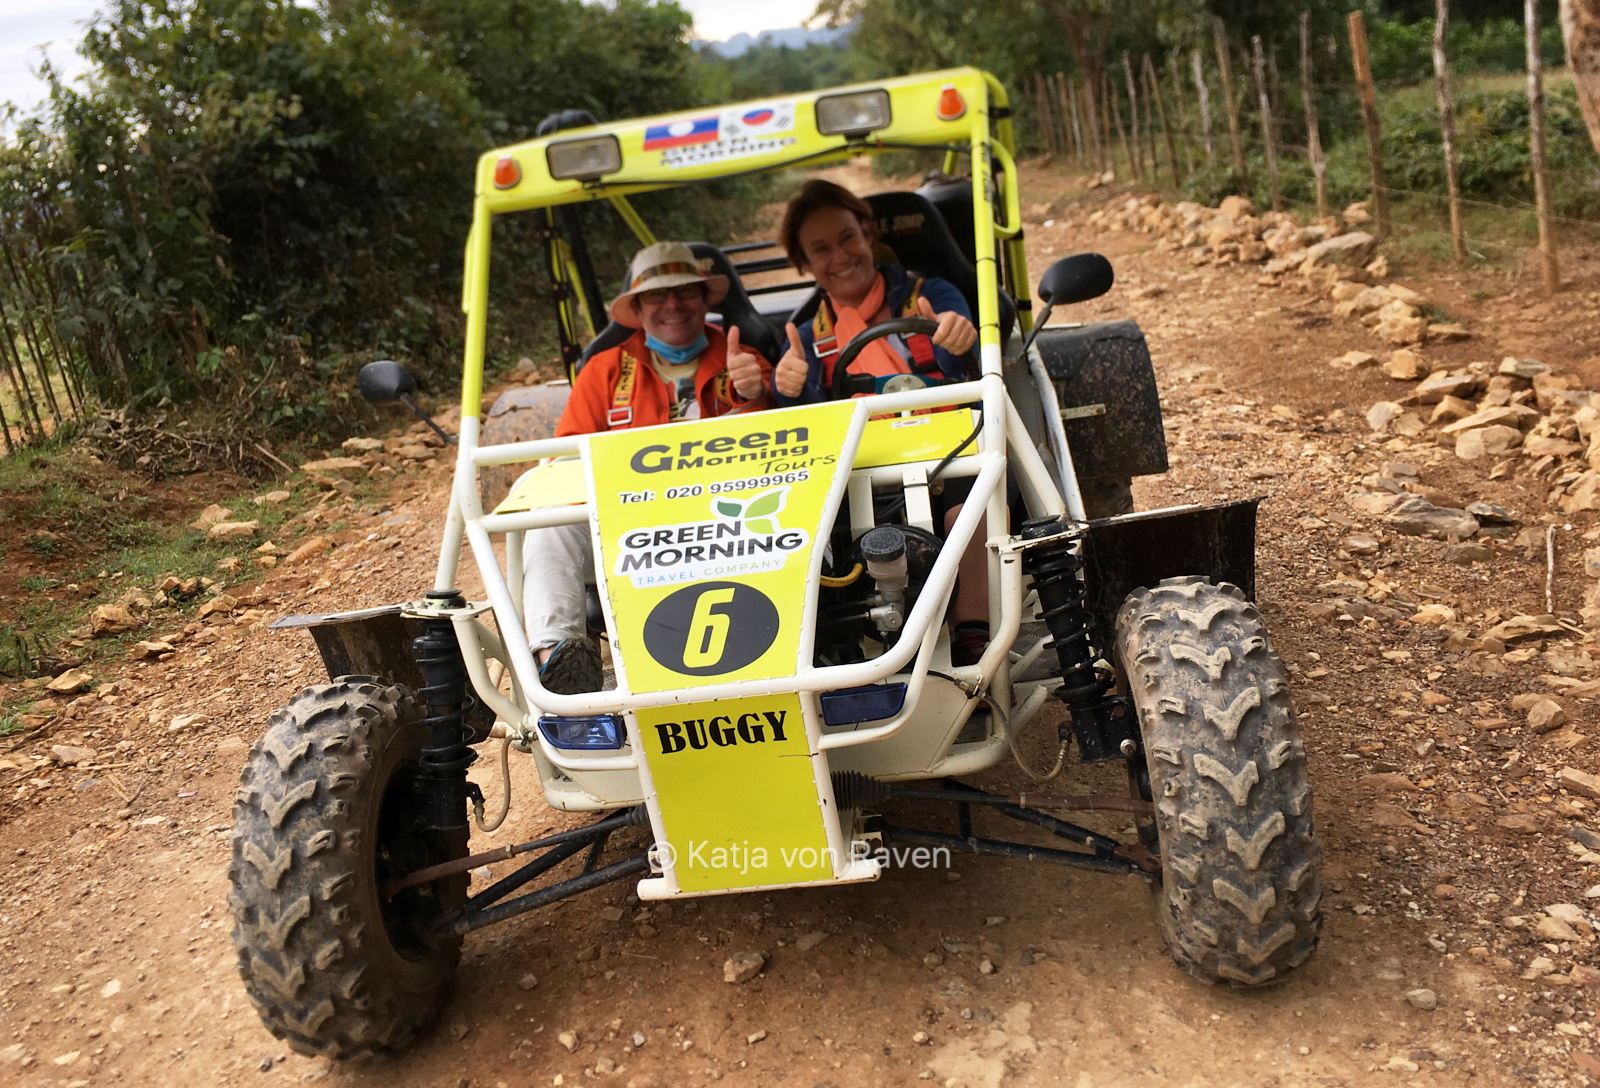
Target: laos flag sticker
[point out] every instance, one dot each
(696, 130)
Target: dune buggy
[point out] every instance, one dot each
(773, 590)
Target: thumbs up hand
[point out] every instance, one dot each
(790, 377)
(955, 333)
(744, 368)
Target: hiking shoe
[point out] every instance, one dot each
(572, 668)
(968, 641)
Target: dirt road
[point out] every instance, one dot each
(119, 969)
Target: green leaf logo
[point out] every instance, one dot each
(761, 526)
(768, 502)
(728, 509)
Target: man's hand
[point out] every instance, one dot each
(744, 368)
(955, 333)
(790, 377)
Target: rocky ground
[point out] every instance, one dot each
(1403, 570)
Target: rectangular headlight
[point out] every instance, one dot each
(583, 160)
(848, 706)
(854, 114)
(602, 732)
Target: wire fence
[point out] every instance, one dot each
(1102, 120)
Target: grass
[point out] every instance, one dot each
(98, 532)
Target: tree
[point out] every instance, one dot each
(1580, 30)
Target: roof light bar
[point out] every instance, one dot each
(585, 159)
(853, 115)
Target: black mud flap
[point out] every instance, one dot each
(1110, 406)
(374, 642)
(1124, 553)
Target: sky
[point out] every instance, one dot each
(57, 26)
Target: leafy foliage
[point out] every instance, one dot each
(250, 198)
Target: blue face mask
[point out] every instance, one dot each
(677, 355)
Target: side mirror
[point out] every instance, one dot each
(385, 382)
(1073, 279)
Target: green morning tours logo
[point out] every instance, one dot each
(758, 512)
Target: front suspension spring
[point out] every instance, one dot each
(444, 675)
(1055, 570)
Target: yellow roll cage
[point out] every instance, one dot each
(982, 131)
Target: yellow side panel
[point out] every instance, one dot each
(739, 802)
(560, 483)
(915, 438)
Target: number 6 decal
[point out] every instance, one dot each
(708, 630)
(711, 629)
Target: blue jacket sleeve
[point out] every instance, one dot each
(945, 297)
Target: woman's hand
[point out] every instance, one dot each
(744, 368)
(790, 377)
(955, 333)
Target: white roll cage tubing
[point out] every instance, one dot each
(1002, 426)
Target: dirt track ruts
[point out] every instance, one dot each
(119, 970)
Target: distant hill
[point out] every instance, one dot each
(795, 37)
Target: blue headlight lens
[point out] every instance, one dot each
(601, 732)
(847, 706)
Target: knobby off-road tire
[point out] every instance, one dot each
(1239, 853)
(325, 812)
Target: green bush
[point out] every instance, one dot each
(1402, 52)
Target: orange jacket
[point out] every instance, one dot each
(619, 388)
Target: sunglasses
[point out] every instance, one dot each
(688, 292)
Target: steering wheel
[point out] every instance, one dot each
(844, 385)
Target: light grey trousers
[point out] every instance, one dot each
(556, 564)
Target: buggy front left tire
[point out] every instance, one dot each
(325, 813)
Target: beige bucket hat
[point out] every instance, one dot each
(665, 264)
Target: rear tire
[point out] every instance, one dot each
(1239, 853)
(325, 813)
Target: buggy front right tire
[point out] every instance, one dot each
(1239, 852)
(326, 812)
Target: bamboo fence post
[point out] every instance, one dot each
(1105, 121)
(30, 339)
(1133, 119)
(1541, 174)
(5, 429)
(1319, 169)
(1068, 133)
(1205, 105)
(1069, 144)
(17, 375)
(1154, 91)
(1070, 90)
(1042, 104)
(1230, 100)
(1447, 125)
(1182, 106)
(1369, 118)
(1267, 137)
(1091, 123)
(1150, 123)
(1122, 133)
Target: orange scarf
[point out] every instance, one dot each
(851, 321)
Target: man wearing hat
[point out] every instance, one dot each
(674, 367)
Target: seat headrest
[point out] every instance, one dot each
(919, 236)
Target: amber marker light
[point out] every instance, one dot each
(952, 107)
(506, 172)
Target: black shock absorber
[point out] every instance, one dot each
(444, 763)
(1100, 721)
